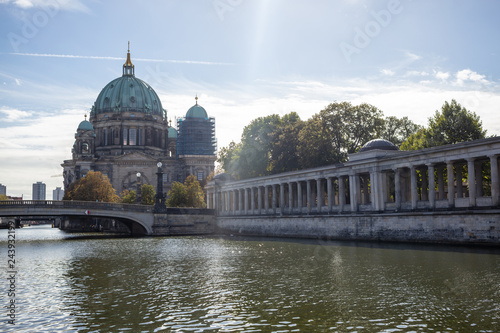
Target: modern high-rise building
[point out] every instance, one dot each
(3, 189)
(57, 194)
(39, 191)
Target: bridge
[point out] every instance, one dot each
(138, 218)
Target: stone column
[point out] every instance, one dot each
(235, 201)
(329, 189)
(266, 198)
(495, 191)
(472, 182)
(246, 201)
(432, 186)
(240, 201)
(214, 199)
(290, 197)
(319, 195)
(451, 184)
(223, 202)
(413, 189)
(259, 200)
(354, 188)
(299, 196)
(460, 191)
(274, 199)
(282, 198)
(308, 183)
(397, 188)
(252, 199)
(341, 181)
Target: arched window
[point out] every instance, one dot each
(85, 148)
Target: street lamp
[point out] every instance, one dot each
(138, 191)
(159, 198)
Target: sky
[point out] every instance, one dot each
(243, 59)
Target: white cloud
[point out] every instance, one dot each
(469, 75)
(12, 115)
(387, 72)
(53, 5)
(441, 75)
(189, 62)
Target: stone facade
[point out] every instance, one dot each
(448, 193)
(128, 134)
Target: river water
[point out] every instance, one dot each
(75, 283)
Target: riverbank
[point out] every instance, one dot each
(446, 227)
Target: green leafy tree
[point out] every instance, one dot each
(177, 195)
(453, 124)
(284, 144)
(128, 197)
(3, 197)
(317, 146)
(338, 130)
(194, 193)
(93, 187)
(148, 194)
(397, 130)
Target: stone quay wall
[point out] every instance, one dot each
(189, 222)
(465, 227)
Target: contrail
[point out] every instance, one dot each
(193, 62)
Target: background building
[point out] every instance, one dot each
(128, 133)
(3, 189)
(57, 194)
(38, 191)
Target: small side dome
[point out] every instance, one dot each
(172, 133)
(379, 144)
(85, 126)
(225, 177)
(197, 111)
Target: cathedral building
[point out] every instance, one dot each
(128, 133)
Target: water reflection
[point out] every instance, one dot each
(222, 285)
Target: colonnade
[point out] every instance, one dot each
(399, 181)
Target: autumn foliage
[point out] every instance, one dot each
(93, 187)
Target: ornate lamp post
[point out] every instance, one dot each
(159, 198)
(138, 190)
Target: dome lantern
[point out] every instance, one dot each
(128, 67)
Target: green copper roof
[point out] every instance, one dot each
(86, 126)
(196, 111)
(172, 132)
(128, 93)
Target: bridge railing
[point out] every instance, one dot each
(76, 204)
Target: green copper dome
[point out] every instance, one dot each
(128, 94)
(197, 111)
(172, 132)
(86, 126)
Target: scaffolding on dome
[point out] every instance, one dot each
(196, 136)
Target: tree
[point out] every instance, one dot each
(453, 124)
(148, 194)
(284, 144)
(194, 193)
(177, 195)
(128, 197)
(94, 186)
(397, 130)
(189, 194)
(3, 197)
(338, 130)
